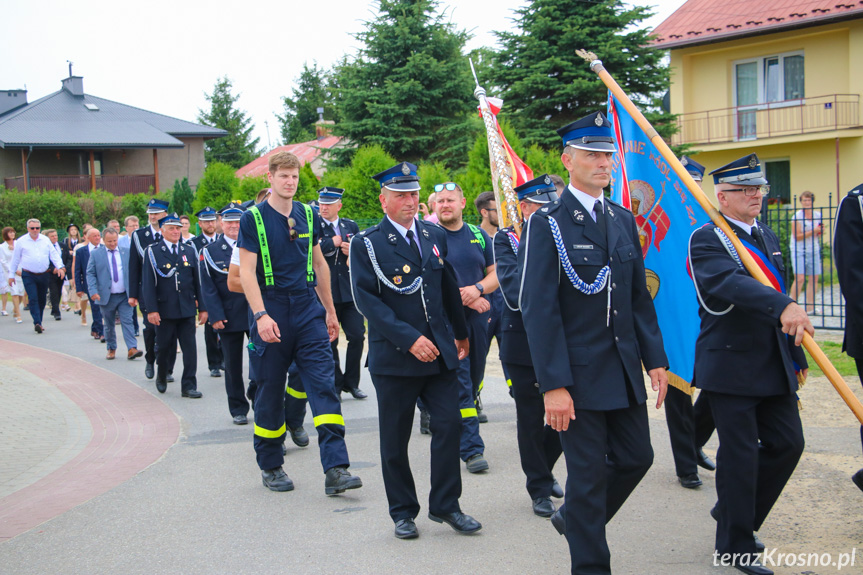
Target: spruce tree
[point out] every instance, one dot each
(237, 148)
(312, 91)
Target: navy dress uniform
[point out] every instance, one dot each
(340, 281)
(407, 291)
(211, 338)
(848, 249)
(172, 288)
(141, 240)
(229, 307)
(745, 366)
(538, 444)
(591, 324)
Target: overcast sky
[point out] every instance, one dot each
(163, 55)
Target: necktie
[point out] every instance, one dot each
(114, 270)
(759, 239)
(600, 219)
(414, 245)
(157, 236)
(174, 249)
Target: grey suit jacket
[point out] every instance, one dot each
(99, 272)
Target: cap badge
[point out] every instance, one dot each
(406, 269)
(405, 169)
(598, 120)
(397, 280)
(547, 180)
(684, 161)
(753, 162)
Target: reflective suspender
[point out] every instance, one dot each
(266, 260)
(310, 273)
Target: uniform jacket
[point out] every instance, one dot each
(848, 248)
(198, 242)
(141, 239)
(221, 303)
(173, 297)
(340, 277)
(514, 346)
(99, 272)
(396, 321)
(743, 352)
(575, 341)
(82, 258)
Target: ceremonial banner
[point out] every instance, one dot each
(518, 170)
(666, 215)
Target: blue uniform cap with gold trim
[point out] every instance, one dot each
(170, 220)
(695, 169)
(746, 171)
(539, 190)
(207, 214)
(400, 178)
(591, 133)
(232, 212)
(328, 195)
(155, 206)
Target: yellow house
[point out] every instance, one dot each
(782, 79)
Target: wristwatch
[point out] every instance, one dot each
(479, 287)
(260, 314)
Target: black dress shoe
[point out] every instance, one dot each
(556, 490)
(714, 512)
(705, 462)
(339, 480)
(543, 507)
(358, 393)
(425, 422)
(240, 420)
(276, 480)
(759, 546)
(38, 328)
(299, 437)
(57, 317)
(193, 393)
(558, 521)
(161, 385)
(149, 371)
(691, 481)
(857, 478)
(464, 524)
(754, 568)
(170, 377)
(406, 529)
(102, 339)
(215, 373)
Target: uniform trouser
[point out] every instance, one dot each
(683, 420)
(304, 339)
(118, 304)
(151, 346)
(704, 425)
(295, 399)
(233, 349)
(859, 363)
(760, 443)
(36, 287)
(55, 290)
(495, 330)
(538, 444)
(167, 334)
(354, 327)
(396, 397)
(214, 348)
(470, 371)
(607, 455)
(135, 319)
(96, 314)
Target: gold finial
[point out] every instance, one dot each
(588, 56)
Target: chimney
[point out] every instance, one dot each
(11, 99)
(74, 85)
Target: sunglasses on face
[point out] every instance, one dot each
(440, 187)
(36, 228)
(291, 223)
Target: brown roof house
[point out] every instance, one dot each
(73, 141)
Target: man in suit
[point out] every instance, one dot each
(55, 282)
(538, 444)
(848, 248)
(207, 218)
(336, 234)
(108, 287)
(171, 290)
(591, 324)
(417, 335)
(227, 312)
(745, 360)
(82, 258)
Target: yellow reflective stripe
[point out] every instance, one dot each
(481, 385)
(509, 383)
(470, 412)
(294, 393)
(329, 419)
(269, 433)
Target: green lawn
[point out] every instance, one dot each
(833, 350)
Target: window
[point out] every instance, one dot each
(769, 82)
(778, 173)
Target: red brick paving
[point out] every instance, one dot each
(131, 430)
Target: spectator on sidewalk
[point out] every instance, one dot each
(16, 290)
(67, 246)
(35, 253)
(805, 248)
(55, 282)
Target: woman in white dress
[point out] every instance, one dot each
(16, 290)
(805, 245)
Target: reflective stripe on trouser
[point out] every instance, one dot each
(296, 399)
(304, 339)
(471, 442)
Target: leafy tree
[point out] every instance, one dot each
(360, 200)
(309, 184)
(312, 91)
(409, 90)
(431, 173)
(248, 187)
(546, 85)
(217, 187)
(237, 148)
(182, 197)
(543, 161)
(478, 175)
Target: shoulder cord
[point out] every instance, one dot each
(417, 284)
(211, 263)
(729, 247)
(137, 244)
(156, 268)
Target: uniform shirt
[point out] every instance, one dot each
(35, 255)
(404, 232)
(114, 255)
(205, 239)
(467, 256)
(334, 225)
(587, 200)
(742, 225)
(289, 258)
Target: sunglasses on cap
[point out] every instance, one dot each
(449, 186)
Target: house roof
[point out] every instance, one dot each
(707, 21)
(62, 120)
(305, 151)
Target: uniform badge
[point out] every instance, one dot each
(610, 211)
(425, 232)
(406, 269)
(397, 280)
(547, 180)
(440, 261)
(753, 162)
(598, 120)
(163, 248)
(436, 251)
(405, 169)
(391, 237)
(545, 210)
(168, 266)
(684, 161)
(224, 247)
(147, 233)
(185, 263)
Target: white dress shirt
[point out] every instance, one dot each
(35, 255)
(743, 226)
(404, 231)
(335, 225)
(587, 200)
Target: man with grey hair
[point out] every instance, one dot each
(35, 253)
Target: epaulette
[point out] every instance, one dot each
(349, 220)
(858, 191)
(370, 230)
(549, 208)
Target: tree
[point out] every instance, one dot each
(546, 85)
(182, 197)
(409, 89)
(237, 148)
(217, 187)
(360, 200)
(312, 91)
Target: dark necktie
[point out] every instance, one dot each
(414, 245)
(157, 236)
(600, 219)
(759, 239)
(174, 250)
(114, 266)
